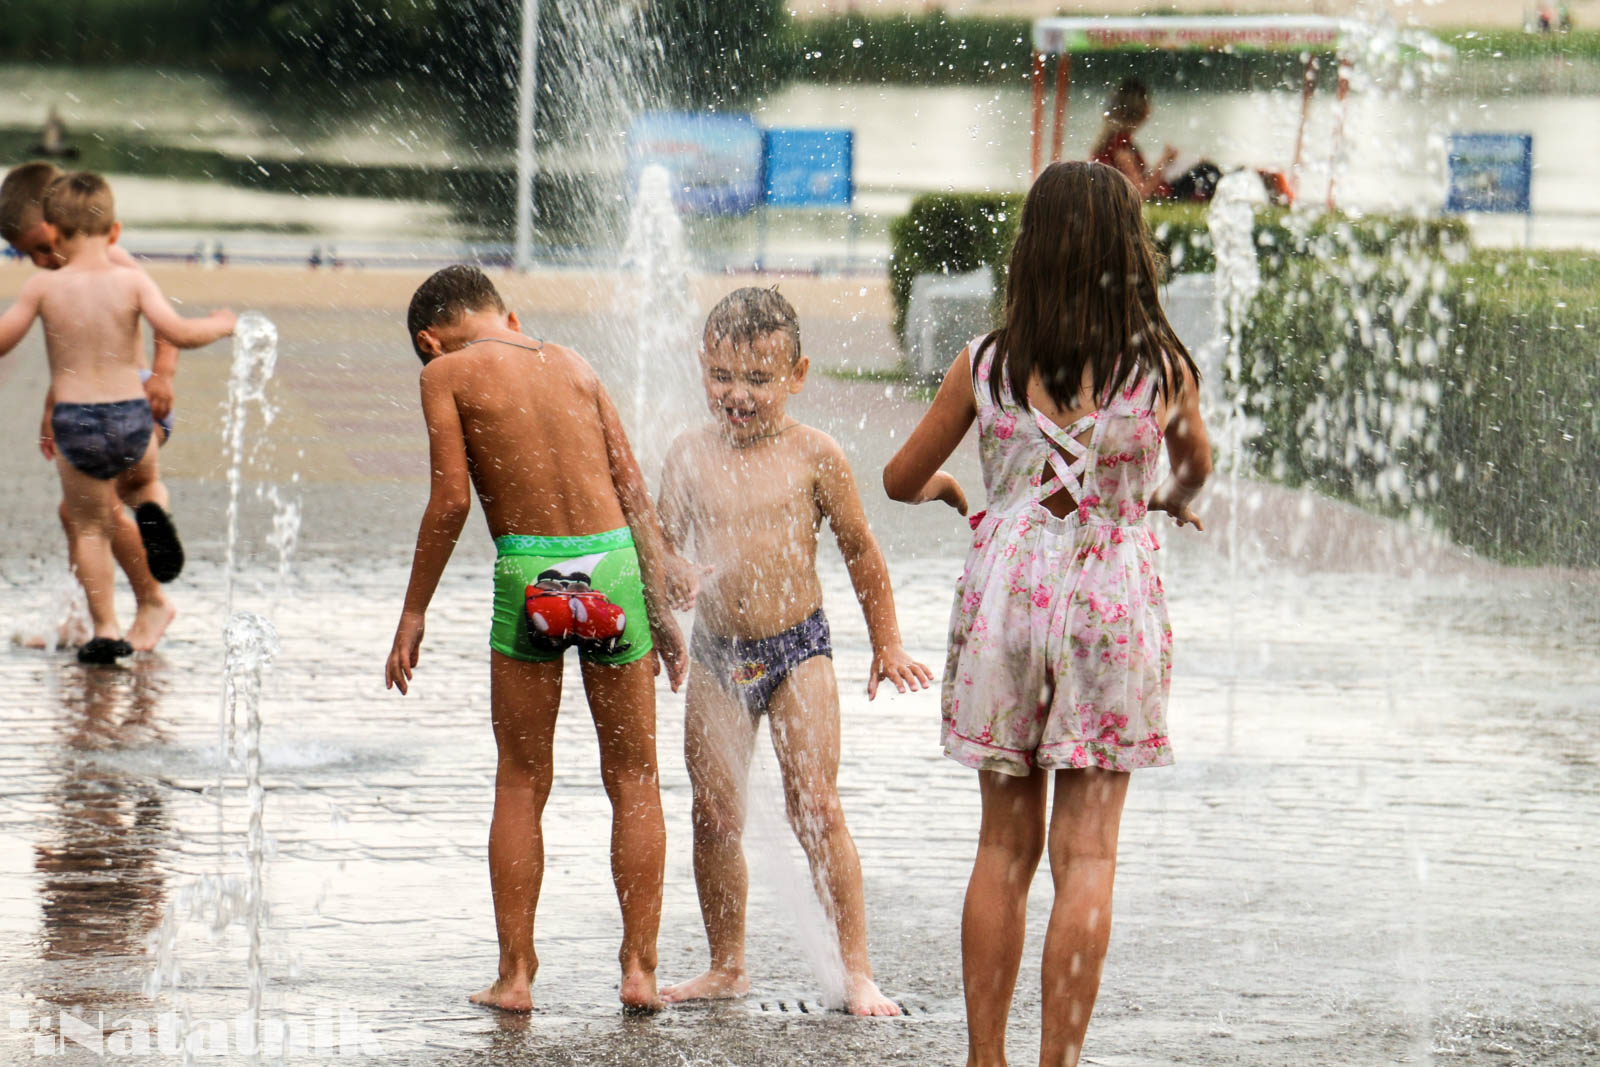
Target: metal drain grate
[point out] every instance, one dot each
(812, 1007)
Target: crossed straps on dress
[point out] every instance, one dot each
(1066, 474)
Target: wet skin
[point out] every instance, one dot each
(40, 242)
(752, 491)
(91, 309)
(528, 425)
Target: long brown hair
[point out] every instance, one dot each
(1082, 291)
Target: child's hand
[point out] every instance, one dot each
(227, 317)
(671, 649)
(158, 390)
(682, 581)
(47, 437)
(943, 486)
(403, 655)
(892, 663)
(1180, 512)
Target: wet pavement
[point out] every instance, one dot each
(1377, 845)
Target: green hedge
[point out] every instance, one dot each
(949, 233)
(1382, 362)
(936, 47)
(1519, 44)
(952, 233)
(1466, 393)
(1184, 241)
(1524, 422)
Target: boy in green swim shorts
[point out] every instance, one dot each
(582, 562)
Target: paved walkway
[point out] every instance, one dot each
(1376, 846)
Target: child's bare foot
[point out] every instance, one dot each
(713, 985)
(639, 992)
(149, 623)
(862, 997)
(508, 994)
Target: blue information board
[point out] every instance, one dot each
(810, 168)
(1491, 172)
(715, 160)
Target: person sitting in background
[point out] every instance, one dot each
(1126, 110)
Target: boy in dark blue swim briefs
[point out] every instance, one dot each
(753, 489)
(581, 562)
(102, 424)
(146, 547)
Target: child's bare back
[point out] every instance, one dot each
(581, 561)
(91, 329)
(549, 474)
(91, 309)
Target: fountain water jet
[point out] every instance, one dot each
(250, 645)
(660, 307)
(255, 356)
(1231, 221)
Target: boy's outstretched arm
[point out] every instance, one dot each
(840, 503)
(449, 502)
(163, 353)
(18, 318)
(662, 569)
(185, 333)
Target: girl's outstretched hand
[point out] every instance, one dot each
(894, 665)
(403, 654)
(1178, 509)
(943, 486)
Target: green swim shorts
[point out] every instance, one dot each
(589, 596)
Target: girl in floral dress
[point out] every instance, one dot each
(1060, 652)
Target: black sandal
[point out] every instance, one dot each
(161, 547)
(104, 650)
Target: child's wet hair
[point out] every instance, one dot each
(80, 202)
(746, 315)
(1082, 292)
(446, 296)
(22, 198)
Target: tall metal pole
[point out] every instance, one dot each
(527, 96)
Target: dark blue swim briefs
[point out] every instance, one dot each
(103, 440)
(753, 669)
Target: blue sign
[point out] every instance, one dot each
(715, 160)
(810, 168)
(1491, 172)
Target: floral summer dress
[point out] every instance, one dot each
(1060, 650)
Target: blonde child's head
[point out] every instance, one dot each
(22, 224)
(80, 203)
(444, 301)
(1082, 290)
(747, 314)
(750, 361)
